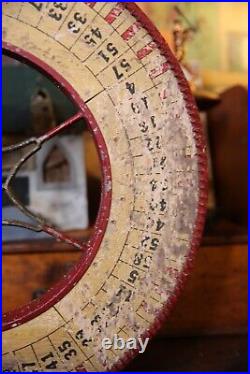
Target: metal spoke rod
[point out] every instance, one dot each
(6, 186)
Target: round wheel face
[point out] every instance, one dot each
(131, 91)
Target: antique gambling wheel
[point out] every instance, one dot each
(124, 81)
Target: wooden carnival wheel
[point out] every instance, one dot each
(117, 70)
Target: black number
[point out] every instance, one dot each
(62, 6)
(152, 118)
(95, 319)
(29, 366)
(151, 144)
(165, 185)
(144, 241)
(154, 244)
(159, 225)
(147, 262)
(129, 295)
(153, 205)
(135, 107)
(160, 162)
(158, 142)
(49, 355)
(79, 18)
(163, 205)
(69, 354)
(66, 346)
(80, 336)
(111, 49)
(124, 65)
(133, 276)
(53, 14)
(38, 6)
(123, 290)
(138, 259)
(52, 364)
(153, 183)
(95, 33)
(113, 309)
(130, 87)
(145, 101)
(73, 26)
(89, 40)
(102, 54)
(143, 127)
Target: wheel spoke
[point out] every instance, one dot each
(59, 236)
(69, 122)
(6, 186)
(24, 225)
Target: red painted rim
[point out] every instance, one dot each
(61, 288)
(202, 173)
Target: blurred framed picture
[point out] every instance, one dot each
(237, 51)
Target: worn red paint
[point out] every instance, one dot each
(131, 31)
(114, 13)
(159, 70)
(143, 52)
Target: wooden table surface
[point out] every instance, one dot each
(207, 330)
